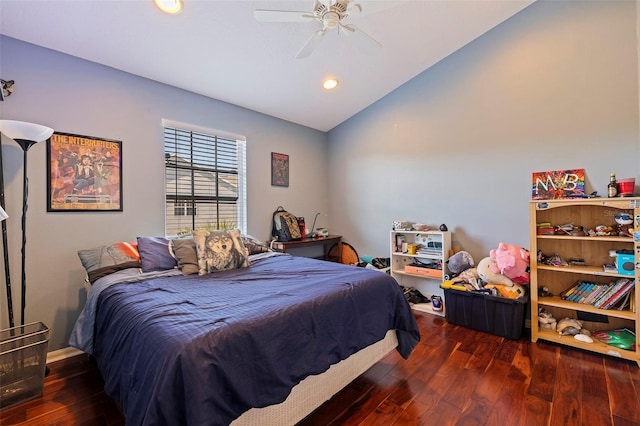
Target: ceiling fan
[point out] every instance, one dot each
(329, 13)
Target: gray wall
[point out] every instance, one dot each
(554, 87)
(75, 96)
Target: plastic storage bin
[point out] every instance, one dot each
(23, 359)
(492, 314)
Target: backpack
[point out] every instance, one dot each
(285, 226)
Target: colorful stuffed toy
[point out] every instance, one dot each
(511, 261)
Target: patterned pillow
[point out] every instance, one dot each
(184, 250)
(220, 251)
(105, 260)
(254, 245)
(155, 254)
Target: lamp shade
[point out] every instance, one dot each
(21, 130)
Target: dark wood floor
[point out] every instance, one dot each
(455, 376)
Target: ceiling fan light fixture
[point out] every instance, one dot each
(330, 84)
(169, 6)
(331, 20)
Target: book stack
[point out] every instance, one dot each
(614, 295)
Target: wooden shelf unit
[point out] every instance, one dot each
(428, 285)
(595, 251)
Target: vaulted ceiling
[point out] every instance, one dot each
(218, 49)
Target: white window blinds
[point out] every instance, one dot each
(205, 180)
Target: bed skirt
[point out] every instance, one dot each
(314, 391)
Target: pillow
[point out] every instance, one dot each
(155, 254)
(184, 250)
(220, 251)
(105, 260)
(254, 245)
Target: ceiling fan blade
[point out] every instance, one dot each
(311, 45)
(281, 16)
(363, 38)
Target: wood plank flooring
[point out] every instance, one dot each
(455, 376)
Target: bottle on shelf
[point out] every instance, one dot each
(612, 188)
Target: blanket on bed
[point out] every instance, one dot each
(203, 349)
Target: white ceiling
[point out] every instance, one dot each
(217, 48)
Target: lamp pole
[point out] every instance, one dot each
(25, 145)
(5, 247)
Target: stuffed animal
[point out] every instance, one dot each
(503, 284)
(486, 273)
(511, 261)
(624, 222)
(460, 262)
(468, 276)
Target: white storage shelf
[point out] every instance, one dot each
(435, 248)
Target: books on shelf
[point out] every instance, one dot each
(619, 294)
(604, 296)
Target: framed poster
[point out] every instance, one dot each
(557, 184)
(84, 173)
(279, 169)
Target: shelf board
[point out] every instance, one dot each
(426, 307)
(586, 238)
(588, 270)
(559, 303)
(596, 346)
(428, 256)
(426, 277)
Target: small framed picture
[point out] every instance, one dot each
(279, 169)
(84, 173)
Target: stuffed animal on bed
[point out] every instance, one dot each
(511, 261)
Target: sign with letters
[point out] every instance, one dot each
(558, 184)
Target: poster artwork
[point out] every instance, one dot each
(558, 184)
(84, 173)
(279, 169)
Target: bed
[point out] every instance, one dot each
(270, 341)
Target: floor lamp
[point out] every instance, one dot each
(26, 135)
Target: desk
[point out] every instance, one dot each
(327, 243)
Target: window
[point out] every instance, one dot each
(204, 178)
(183, 208)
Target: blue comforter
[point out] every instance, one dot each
(201, 350)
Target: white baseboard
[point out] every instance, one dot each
(63, 353)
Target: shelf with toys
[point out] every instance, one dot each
(586, 259)
(418, 261)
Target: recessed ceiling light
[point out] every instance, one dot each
(169, 6)
(330, 83)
